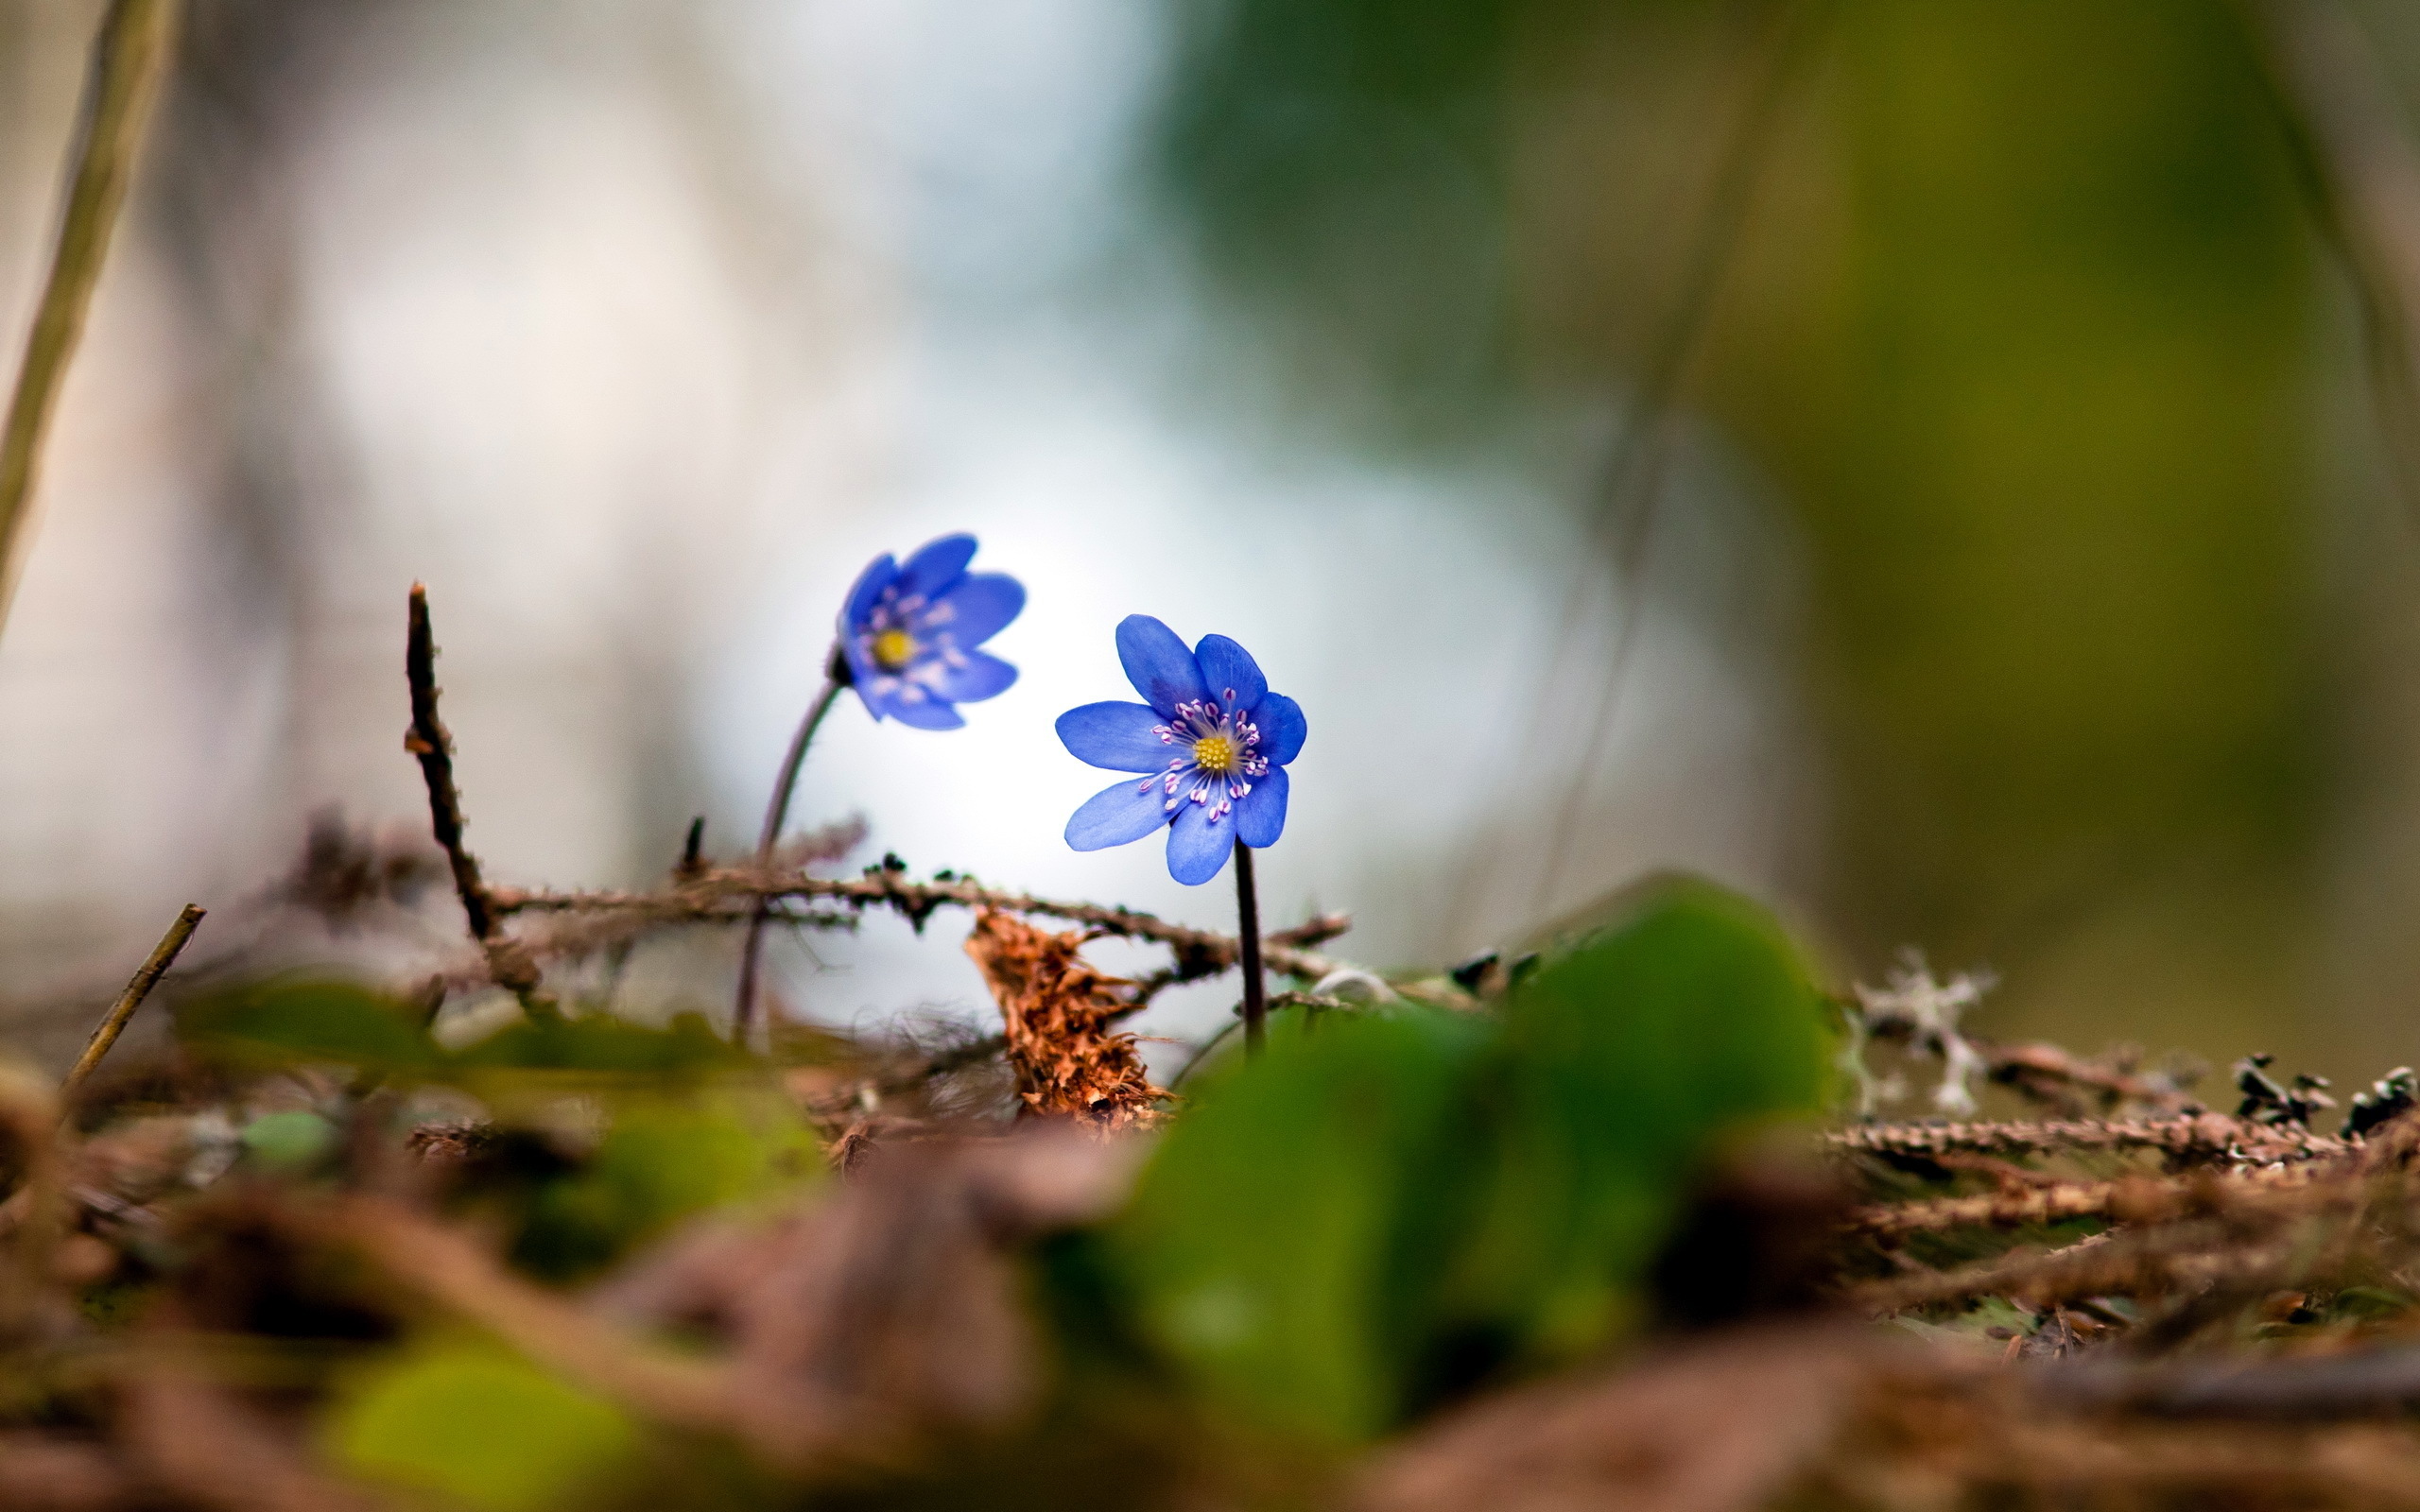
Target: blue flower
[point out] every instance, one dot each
(909, 634)
(1214, 739)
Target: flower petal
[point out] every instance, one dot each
(1282, 730)
(1122, 737)
(1199, 844)
(1224, 664)
(1162, 670)
(922, 712)
(859, 606)
(976, 610)
(1260, 815)
(980, 675)
(1126, 810)
(936, 565)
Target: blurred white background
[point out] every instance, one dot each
(634, 330)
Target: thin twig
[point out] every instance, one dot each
(2360, 180)
(2202, 1136)
(714, 895)
(163, 956)
(2140, 1199)
(510, 966)
(129, 56)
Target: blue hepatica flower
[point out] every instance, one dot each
(1213, 737)
(910, 632)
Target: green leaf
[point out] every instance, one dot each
(603, 1043)
(1625, 1055)
(293, 1139)
(1267, 1243)
(470, 1422)
(661, 1161)
(287, 1020)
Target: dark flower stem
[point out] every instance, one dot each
(1247, 935)
(777, 813)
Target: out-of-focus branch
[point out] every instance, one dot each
(2202, 1136)
(2360, 177)
(129, 56)
(163, 956)
(511, 967)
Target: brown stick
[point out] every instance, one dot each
(2202, 1136)
(129, 56)
(711, 896)
(429, 741)
(163, 956)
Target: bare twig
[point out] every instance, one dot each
(2040, 1072)
(2140, 1199)
(2200, 1137)
(510, 966)
(163, 956)
(129, 56)
(724, 892)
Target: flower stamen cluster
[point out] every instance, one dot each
(1221, 751)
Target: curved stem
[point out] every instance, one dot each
(1248, 934)
(743, 1016)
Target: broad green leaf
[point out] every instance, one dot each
(603, 1043)
(481, 1426)
(1624, 1057)
(1266, 1243)
(306, 1020)
(661, 1160)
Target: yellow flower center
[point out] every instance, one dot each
(1215, 754)
(893, 650)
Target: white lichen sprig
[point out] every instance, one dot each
(1926, 1011)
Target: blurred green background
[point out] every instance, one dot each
(2040, 324)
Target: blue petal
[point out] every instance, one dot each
(977, 609)
(936, 565)
(859, 606)
(1199, 844)
(926, 713)
(1224, 664)
(1162, 670)
(1126, 810)
(1121, 736)
(1282, 730)
(981, 676)
(1260, 815)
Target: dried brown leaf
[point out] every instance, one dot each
(1059, 1011)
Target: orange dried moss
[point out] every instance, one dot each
(1058, 1008)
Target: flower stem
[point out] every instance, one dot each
(1247, 935)
(836, 676)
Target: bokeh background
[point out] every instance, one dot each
(1946, 468)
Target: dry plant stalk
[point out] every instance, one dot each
(725, 893)
(1059, 1011)
(131, 55)
(114, 1024)
(432, 744)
